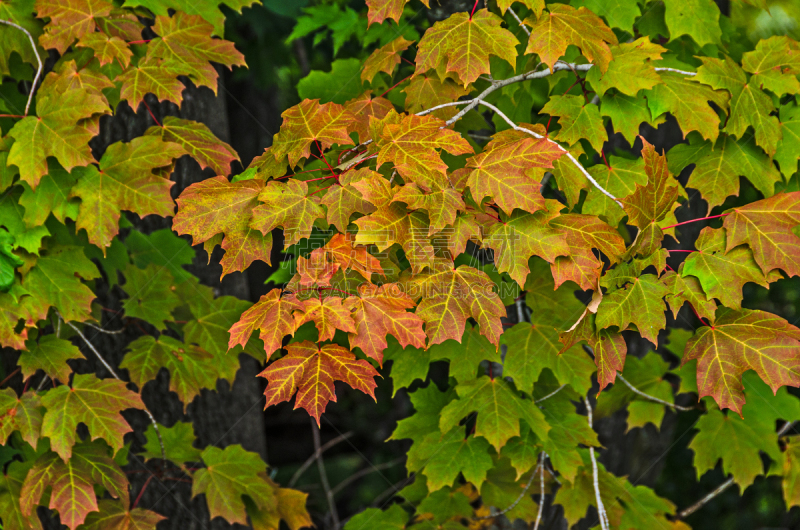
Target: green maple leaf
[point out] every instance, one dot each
(210, 11)
(652, 203)
(522, 451)
(627, 113)
(647, 375)
(23, 414)
(72, 482)
(151, 295)
(126, 180)
(688, 101)
(162, 248)
(443, 505)
(640, 303)
(59, 129)
(462, 43)
(578, 120)
(10, 489)
(151, 76)
(12, 216)
(198, 141)
(618, 13)
(682, 289)
(449, 454)
(577, 496)
(502, 488)
(428, 403)
(774, 65)
(532, 348)
(49, 354)
(697, 18)
(191, 368)
(393, 518)
(52, 195)
(722, 274)
(113, 515)
(8, 261)
(620, 178)
(465, 357)
(738, 441)
(788, 149)
(739, 341)
(178, 443)
(213, 317)
(55, 281)
(750, 106)
(630, 70)
(499, 411)
(94, 402)
(230, 474)
(791, 472)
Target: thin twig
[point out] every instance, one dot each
(111, 370)
(675, 70)
(542, 456)
(9, 376)
(366, 471)
(102, 330)
(786, 428)
(323, 476)
(651, 398)
(38, 59)
(702, 502)
(523, 26)
(551, 394)
(519, 499)
(601, 510)
(316, 455)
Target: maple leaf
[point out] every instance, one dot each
(23, 414)
(309, 122)
(328, 314)
(344, 200)
(451, 295)
(651, 203)
(107, 49)
(191, 368)
(59, 130)
(411, 144)
(687, 100)
(524, 235)
(627, 113)
(578, 120)
(449, 454)
(749, 107)
(341, 251)
(697, 18)
(151, 294)
(774, 65)
(10, 487)
(583, 233)
(69, 20)
(609, 348)
(286, 205)
(72, 482)
(442, 205)
(465, 357)
(722, 274)
(630, 69)
(54, 282)
(126, 180)
(229, 474)
(210, 12)
(682, 289)
(384, 59)
(379, 311)
(619, 178)
(185, 43)
(113, 515)
(462, 43)
(49, 354)
(499, 409)
(290, 505)
(95, 403)
(311, 371)
(272, 314)
(510, 169)
(380, 10)
(552, 32)
(742, 340)
(215, 206)
(50, 196)
(151, 76)
(787, 151)
(198, 141)
(766, 226)
(425, 91)
(641, 304)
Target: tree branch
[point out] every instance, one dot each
(523, 26)
(652, 398)
(38, 59)
(323, 476)
(702, 502)
(551, 394)
(111, 370)
(366, 471)
(542, 456)
(521, 495)
(317, 454)
(601, 510)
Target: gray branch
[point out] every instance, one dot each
(38, 60)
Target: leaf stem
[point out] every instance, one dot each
(38, 60)
(473, 9)
(696, 220)
(12, 116)
(151, 113)
(9, 376)
(681, 250)
(141, 491)
(394, 86)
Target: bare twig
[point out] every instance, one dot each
(551, 394)
(103, 330)
(521, 25)
(675, 70)
(786, 428)
(38, 60)
(542, 456)
(601, 510)
(323, 476)
(111, 370)
(366, 471)
(702, 502)
(311, 459)
(519, 499)
(651, 398)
